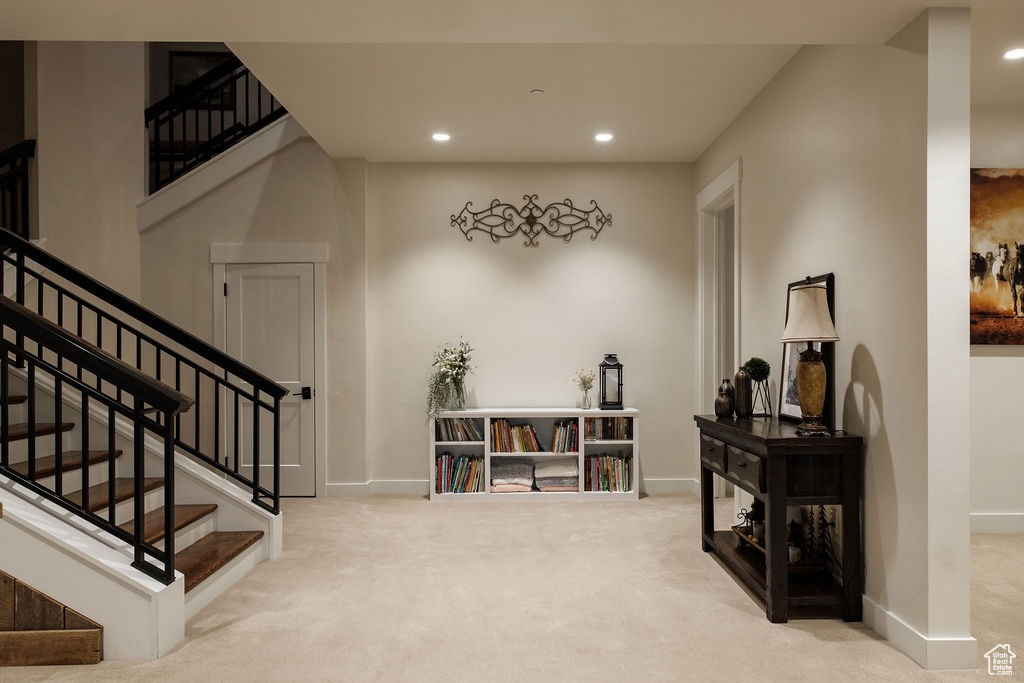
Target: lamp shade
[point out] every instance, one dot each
(808, 318)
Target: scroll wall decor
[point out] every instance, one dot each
(561, 219)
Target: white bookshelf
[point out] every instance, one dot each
(544, 421)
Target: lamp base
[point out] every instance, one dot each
(813, 427)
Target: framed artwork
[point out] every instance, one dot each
(186, 67)
(997, 249)
(789, 404)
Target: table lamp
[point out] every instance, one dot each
(808, 320)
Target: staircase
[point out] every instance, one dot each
(130, 456)
(204, 118)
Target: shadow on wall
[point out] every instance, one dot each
(862, 414)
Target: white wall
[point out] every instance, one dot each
(997, 479)
(533, 315)
(90, 158)
(833, 154)
(297, 196)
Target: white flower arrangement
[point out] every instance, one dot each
(584, 379)
(447, 383)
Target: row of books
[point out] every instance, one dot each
(566, 437)
(608, 473)
(457, 429)
(513, 438)
(458, 473)
(612, 428)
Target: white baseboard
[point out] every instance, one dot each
(929, 653)
(421, 487)
(997, 522)
(670, 487)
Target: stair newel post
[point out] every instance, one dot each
(168, 428)
(277, 454)
(255, 445)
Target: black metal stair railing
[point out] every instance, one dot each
(204, 118)
(150, 406)
(14, 198)
(233, 426)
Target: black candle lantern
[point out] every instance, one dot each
(611, 382)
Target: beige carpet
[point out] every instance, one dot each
(401, 589)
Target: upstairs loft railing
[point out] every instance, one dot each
(233, 426)
(205, 117)
(14, 187)
(152, 408)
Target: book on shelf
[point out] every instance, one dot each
(606, 472)
(458, 473)
(565, 438)
(608, 428)
(457, 429)
(513, 438)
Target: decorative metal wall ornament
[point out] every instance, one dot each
(558, 219)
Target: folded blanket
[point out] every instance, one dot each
(562, 467)
(557, 481)
(549, 489)
(510, 488)
(511, 468)
(512, 481)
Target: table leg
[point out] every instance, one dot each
(707, 507)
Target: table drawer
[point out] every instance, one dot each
(745, 467)
(712, 453)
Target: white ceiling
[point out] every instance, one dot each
(375, 79)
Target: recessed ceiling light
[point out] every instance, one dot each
(441, 137)
(1016, 53)
(604, 137)
(536, 91)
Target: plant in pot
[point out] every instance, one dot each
(759, 369)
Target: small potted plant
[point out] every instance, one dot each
(759, 369)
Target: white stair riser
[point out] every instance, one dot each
(45, 445)
(192, 533)
(17, 412)
(125, 510)
(72, 481)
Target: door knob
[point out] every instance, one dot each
(306, 393)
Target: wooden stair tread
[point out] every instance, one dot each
(70, 460)
(14, 399)
(123, 490)
(19, 430)
(153, 522)
(201, 559)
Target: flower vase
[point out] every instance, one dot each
(457, 395)
(585, 400)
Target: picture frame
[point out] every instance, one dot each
(789, 404)
(186, 65)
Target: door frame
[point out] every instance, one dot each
(719, 194)
(221, 255)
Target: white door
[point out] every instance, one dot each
(269, 321)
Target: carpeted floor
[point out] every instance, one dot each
(401, 589)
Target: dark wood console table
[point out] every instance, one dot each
(766, 458)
